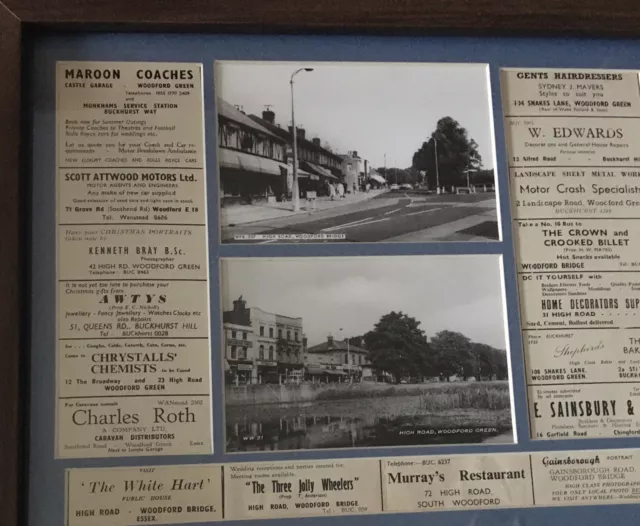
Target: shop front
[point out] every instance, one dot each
(248, 179)
(267, 371)
(239, 373)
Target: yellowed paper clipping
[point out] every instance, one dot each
(456, 482)
(142, 495)
(133, 356)
(302, 489)
(574, 165)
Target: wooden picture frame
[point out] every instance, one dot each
(20, 18)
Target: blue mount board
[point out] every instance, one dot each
(46, 475)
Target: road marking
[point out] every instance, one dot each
(392, 211)
(267, 241)
(371, 222)
(356, 224)
(425, 211)
(338, 227)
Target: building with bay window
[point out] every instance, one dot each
(317, 166)
(276, 353)
(251, 159)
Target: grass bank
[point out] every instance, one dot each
(434, 396)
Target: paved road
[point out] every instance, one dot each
(384, 217)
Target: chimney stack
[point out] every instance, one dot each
(330, 341)
(239, 305)
(300, 133)
(269, 116)
(316, 141)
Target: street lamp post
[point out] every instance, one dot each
(295, 192)
(435, 144)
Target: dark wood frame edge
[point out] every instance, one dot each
(11, 276)
(591, 18)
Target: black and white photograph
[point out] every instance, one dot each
(353, 352)
(355, 152)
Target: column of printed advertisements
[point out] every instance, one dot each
(133, 360)
(128, 496)
(574, 165)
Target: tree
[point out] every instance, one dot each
(357, 341)
(456, 154)
(484, 177)
(398, 346)
(500, 363)
(453, 355)
(486, 366)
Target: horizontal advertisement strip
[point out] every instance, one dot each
(268, 490)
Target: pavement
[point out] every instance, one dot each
(243, 214)
(385, 216)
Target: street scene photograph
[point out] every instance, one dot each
(352, 352)
(355, 152)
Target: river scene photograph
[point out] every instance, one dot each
(352, 352)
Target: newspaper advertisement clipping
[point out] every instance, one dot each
(459, 482)
(581, 478)
(133, 360)
(139, 495)
(330, 487)
(575, 188)
(302, 489)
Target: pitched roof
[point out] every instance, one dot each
(285, 134)
(277, 130)
(336, 345)
(229, 112)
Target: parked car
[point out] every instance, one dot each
(394, 187)
(406, 186)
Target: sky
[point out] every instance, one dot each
(457, 293)
(372, 108)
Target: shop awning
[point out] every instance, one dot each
(252, 163)
(249, 163)
(377, 178)
(304, 175)
(318, 170)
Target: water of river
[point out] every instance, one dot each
(365, 422)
